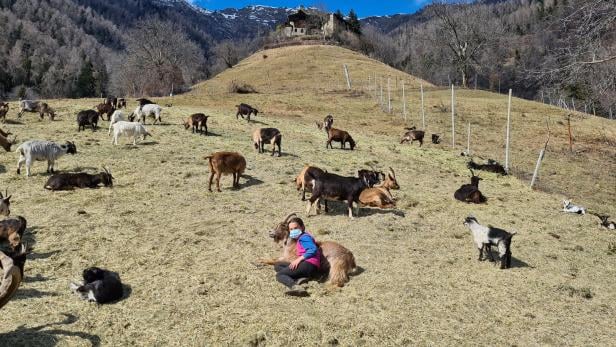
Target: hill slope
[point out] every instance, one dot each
(188, 254)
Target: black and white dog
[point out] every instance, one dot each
(99, 285)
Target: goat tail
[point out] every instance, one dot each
(22, 227)
(340, 267)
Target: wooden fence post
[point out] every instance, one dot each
(453, 120)
(346, 74)
(507, 138)
(423, 114)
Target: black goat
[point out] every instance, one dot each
(143, 101)
(470, 192)
(245, 110)
(334, 187)
(413, 135)
(87, 118)
(605, 222)
(491, 166)
(112, 101)
(67, 181)
(101, 286)
(271, 136)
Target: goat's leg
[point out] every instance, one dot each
(218, 181)
(488, 251)
(480, 253)
(209, 187)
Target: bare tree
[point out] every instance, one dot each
(228, 53)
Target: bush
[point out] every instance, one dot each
(241, 88)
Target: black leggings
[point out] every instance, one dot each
(286, 276)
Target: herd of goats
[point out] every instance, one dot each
(370, 188)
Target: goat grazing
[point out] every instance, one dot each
(99, 285)
(105, 109)
(36, 107)
(379, 195)
(245, 110)
(571, 208)
(4, 109)
(491, 166)
(129, 129)
(334, 187)
(267, 135)
(12, 274)
(5, 142)
(470, 192)
(115, 117)
(5, 203)
(40, 150)
(413, 135)
(197, 121)
(336, 260)
(12, 230)
(69, 181)
(328, 121)
(341, 136)
(305, 179)
(224, 163)
(484, 237)
(87, 118)
(153, 110)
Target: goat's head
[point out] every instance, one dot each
(475, 179)
(470, 220)
(186, 123)
(71, 148)
(369, 177)
(92, 274)
(390, 181)
(5, 204)
(566, 203)
(352, 143)
(106, 177)
(281, 231)
(19, 257)
(328, 121)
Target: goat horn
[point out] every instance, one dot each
(392, 171)
(289, 216)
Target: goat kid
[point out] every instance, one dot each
(198, 122)
(267, 135)
(99, 285)
(39, 150)
(486, 236)
(225, 163)
(571, 208)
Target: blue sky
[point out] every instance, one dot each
(363, 8)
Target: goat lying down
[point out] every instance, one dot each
(571, 208)
(71, 180)
(99, 285)
(486, 236)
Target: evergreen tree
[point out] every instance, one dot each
(86, 82)
(354, 24)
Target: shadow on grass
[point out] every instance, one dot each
(253, 121)
(32, 293)
(45, 255)
(515, 262)
(336, 208)
(40, 336)
(2, 168)
(250, 181)
(37, 278)
(13, 121)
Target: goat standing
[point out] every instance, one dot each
(267, 135)
(39, 150)
(341, 136)
(197, 121)
(129, 129)
(224, 163)
(486, 236)
(413, 135)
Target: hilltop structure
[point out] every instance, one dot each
(311, 22)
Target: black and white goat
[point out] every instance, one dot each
(99, 285)
(486, 236)
(40, 150)
(571, 208)
(605, 222)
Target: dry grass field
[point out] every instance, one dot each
(187, 254)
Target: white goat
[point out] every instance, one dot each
(40, 150)
(571, 208)
(115, 117)
(141, 112)
(129, 129)
(484, 237)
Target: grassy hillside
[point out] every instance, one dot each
(187, 254)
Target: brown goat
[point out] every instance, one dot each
(5, 142)
(224, 163)
(12, 230)
(4, 109)
(267, 135)
(336, 260)
(305, 180)
(339, 136)
(12, 273)
(105, 109)
(197, 121)
(413, 135)
(379, 195)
